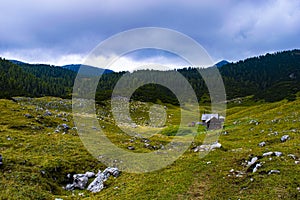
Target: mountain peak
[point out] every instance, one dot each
(221, 63)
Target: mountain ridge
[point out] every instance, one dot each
(269, 77)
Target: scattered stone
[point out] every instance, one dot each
(208, 147)
(81, 194)
(62, 127)
(131, 140)
(65, 126)
(8, 138)
(292, 156)
(27, 115)
(253, 160)
(145, 140)
(271, 153)
(130, 147)
(1, 163)
(267, 154)
(278, 153)
(238, 174)
(154, 147)
(284, 138)
(64, 119)
(297, 162)
(258, 165)
(274, 172)
(254, 122)
(209, 162)
(262, 144)
(236, 122)
(215, 145)
(47, 113)
(98, 184)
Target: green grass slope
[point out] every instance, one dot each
(36, 159)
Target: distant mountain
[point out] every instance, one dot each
(17, 62)
(222, 63)
(87, 70)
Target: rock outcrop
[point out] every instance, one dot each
(80, 180)
(98, 184)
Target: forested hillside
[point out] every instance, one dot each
(34, 80)
(271, 77)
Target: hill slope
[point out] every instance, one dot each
(34, 80)
(50, 155)
(271, 77)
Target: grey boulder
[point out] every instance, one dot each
(284, 138)
(98, 184)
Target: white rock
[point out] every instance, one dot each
(258, 165)
(278, 153)
(81, 194)
(207, 147)
(253, 160)
(98, 183)
(262, 144)
(274, 172)
(216, 145)
(90, 174)
(267, 154)
(284, 138)
(292, 156)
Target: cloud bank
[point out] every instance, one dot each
(63, 32)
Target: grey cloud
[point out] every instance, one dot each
(228, 29)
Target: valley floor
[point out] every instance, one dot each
(40, 146)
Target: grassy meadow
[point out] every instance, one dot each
(38, 153)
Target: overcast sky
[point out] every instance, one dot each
(65, 31)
